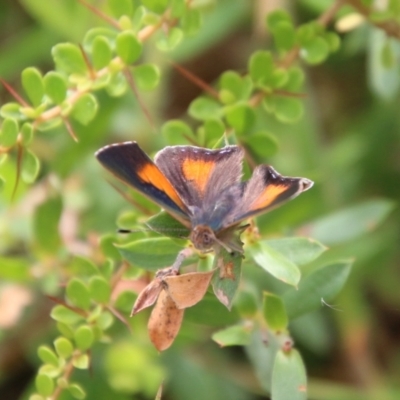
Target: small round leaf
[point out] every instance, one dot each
(128, 47)
(63, 347)
(85, 108)
(78, 293)
(32, 82)
(84, 337)
(147, 76)
(44, 385)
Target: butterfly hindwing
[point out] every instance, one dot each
(129, 163)
(265, 190)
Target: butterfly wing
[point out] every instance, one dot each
(265, 190)
(129, 163)
(202, 178)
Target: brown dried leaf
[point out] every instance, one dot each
(188, 289)
(149, 294)
(165, 322)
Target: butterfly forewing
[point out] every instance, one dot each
(132, 166)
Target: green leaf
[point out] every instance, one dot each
(85, 108)
(83, 266)
(284, 35)
(299, 250)
(225, 281)
(236, 335)
(191, 21)
(121, 7)
(295, 79)
(350, 223)
(262, 356)
(117, 85)
(151, 254)
(108, 248)
(261, 145)
(177, 132)
(276, 17)
(27, 133)
(36, 397)
(261, 66)
(333, 40)
(101, 52)
(84, 337)
(105, 320)
(147, 76)
(100, 290)
(240, 117)
(128, 47)
(32, 82)
(69, 58)
(383, 73)
(14, 269)
(81, 361)
(321, 285)
(213, 130)
(9, 132)
(12, 110)
(204, 108)
(246, 303)
(158, 6)
(239, 88)
(47, 355)
(65, 330)
(275, 263)
(168, 226)
(45, 223)
(171, 40)
(63, 347)
(315, 50)
(78, 294)
(288, 109)
(65, 315)
(274, 313)
(77, 391)
(289, 380)
(177, 8)
(30, 167)
(44, 385)
(49, 124)
(90, 37)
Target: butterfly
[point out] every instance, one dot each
(202, 188)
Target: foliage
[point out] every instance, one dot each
(56, 210)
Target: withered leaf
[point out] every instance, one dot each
(150, 293)
(188, 289)
(165, 322)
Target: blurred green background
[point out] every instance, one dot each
(348, 142)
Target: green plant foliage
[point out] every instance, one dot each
(151, 253)
(128, 47)
(236, 335)
(147, 76)
(274, 313)
(289, 367)
(32, 82)
(320, 286)
(69, 58)
(275, 263)
(85, 108)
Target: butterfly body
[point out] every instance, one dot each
(202, 188)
